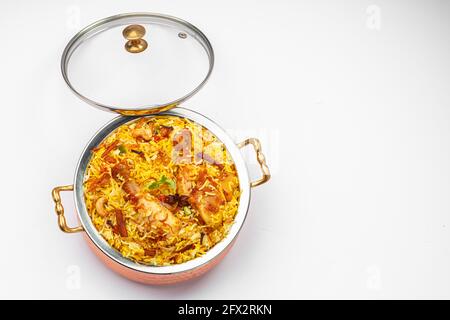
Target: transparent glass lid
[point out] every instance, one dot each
(137, 63)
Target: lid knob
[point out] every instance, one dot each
(134, 33)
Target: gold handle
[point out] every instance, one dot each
(261, 160)
(60, 210)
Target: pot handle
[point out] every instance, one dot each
(59, 209)
(261, 160)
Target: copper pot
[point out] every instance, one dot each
(164, 274)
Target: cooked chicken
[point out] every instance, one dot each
(229, 183)
(120, 171)
(151, 208)
(207, 202)
(143, 133)
(165, 131)
(185, 180)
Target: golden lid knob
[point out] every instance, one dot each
(134, 33)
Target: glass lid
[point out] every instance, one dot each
(137, 63)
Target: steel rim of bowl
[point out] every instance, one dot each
(130, 18)
(103, 245)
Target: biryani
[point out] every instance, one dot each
(161, 190)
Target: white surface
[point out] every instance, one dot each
(354, 116)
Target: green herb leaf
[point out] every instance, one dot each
(187, 211)
(163, 180)
(122, 149)
(171, 184)
(154, 185)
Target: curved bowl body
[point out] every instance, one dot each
(156, 279)
(163, 274)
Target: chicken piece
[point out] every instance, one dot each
(131, 187)
(120, 171)
(150, 207)
(165, 131)
(147, 205)
(228, 183)
(143, 131)
(203, 194)
(186, 178)
(207, 202)
(202, 177)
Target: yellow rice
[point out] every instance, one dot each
(151, 161)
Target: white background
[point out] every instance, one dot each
(351, 100)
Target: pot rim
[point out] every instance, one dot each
(103, 245)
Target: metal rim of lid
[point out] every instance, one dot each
(132, 18)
